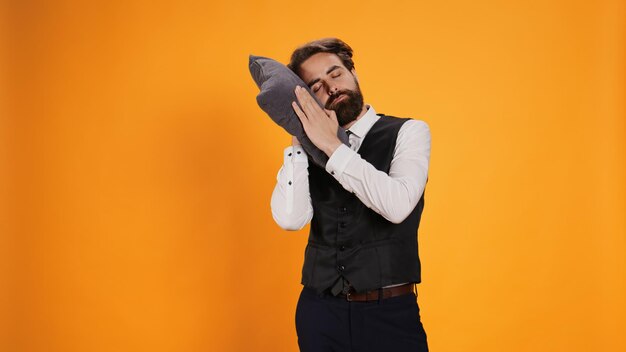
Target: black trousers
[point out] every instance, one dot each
(327, 323)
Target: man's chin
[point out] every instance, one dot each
(346, 111)
(344, 121)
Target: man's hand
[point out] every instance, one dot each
(320, 125)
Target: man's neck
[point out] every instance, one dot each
(363, 111)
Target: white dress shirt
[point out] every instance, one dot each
(393, 195)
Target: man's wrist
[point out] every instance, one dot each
(294, 153)
(330, 149)
(338, 161)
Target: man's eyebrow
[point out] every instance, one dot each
(331, 69)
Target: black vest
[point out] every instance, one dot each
(348, 239)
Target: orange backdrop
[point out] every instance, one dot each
(136, 170)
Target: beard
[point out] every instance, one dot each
(349, 108)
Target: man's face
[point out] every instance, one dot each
(335, 87)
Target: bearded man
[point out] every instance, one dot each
(361, 263)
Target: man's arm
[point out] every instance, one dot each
(393, 196)
(291, 199)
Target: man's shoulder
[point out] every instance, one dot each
(407, 122)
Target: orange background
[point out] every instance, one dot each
(136, 170)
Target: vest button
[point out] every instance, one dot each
(342, 248)
(344, 209)
(342, 224)
(341, 267)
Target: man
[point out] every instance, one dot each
(361, 261)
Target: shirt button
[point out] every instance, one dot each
(341, 267)
(332, 172)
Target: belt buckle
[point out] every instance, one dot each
(349, 296)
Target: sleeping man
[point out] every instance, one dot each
(363, 201)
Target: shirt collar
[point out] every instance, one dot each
(363, 125)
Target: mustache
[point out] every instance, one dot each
(332, 99)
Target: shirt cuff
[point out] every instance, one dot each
(338, 160)
(295, 153)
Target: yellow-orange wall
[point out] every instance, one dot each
(136, 170)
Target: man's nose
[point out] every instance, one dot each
(333, 90)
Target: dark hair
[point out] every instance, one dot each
(325, 45)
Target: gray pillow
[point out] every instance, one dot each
(277, 84)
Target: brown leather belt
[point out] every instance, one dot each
(373, 294)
